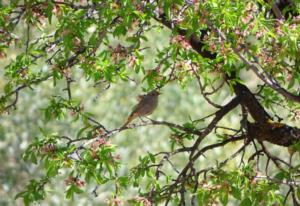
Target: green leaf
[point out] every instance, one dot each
(49, 11)
(110, 169)
(167, 9)
(52, 169)
(8, 88)
(70, 193)
(99, 179)
(77, 190)
(152, 157)
(291, 83)
(71, 190)
(138, 14)
(33, 158)
(281, 175)
(236, 193)
(203, 197)
(246, 202)
(81, 131)
(224, 197)
(123, 181)
(21, 194)
(298, 192)
(189, 125)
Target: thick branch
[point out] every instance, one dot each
(247, 99)
(194, 40)
(276, 133)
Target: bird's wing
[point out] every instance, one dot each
(140, 97)
(141, 105)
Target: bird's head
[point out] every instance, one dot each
(154, 93)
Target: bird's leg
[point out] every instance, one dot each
(148, 118)
(143, 121)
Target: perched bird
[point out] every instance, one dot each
(146, 106)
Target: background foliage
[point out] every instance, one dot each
(69, 68)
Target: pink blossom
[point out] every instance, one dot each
(143, 200)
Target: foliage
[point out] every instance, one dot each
(224, 46)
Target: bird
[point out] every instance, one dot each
(146, 106)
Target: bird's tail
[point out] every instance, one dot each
(129, 119)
